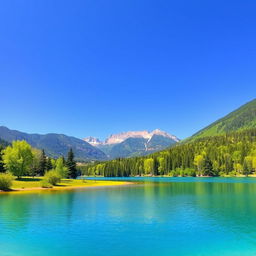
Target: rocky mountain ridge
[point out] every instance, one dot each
(133, 143)
(121, 137)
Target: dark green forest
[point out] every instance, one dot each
(230, 154)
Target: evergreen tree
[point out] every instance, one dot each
(49, 164)
(207, 167)
(71, 164)
(246, 170)
(64, 160)
(42, 164)
(2, 169)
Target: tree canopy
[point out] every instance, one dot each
(18, 158)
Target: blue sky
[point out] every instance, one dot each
(91, 67)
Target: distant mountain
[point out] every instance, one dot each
(55, 145)
(241, 119)
(133, 143)
(93, 141)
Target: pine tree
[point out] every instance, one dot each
(64, 160)
(49, 164)
(42, 164)
(71, 164)
(207, 167)
(2, 169)
(245, 168)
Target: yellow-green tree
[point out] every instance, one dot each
(162, 165)
(35, 165)
(149, 166)
(254, 163)
(60, 168)
(18, 158)
(198, 162)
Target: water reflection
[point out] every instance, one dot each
(164, 214)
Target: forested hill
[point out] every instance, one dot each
(240, 119)
(232, 154)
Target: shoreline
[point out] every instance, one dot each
(166, 176)
(66, 187)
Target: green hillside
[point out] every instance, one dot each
(241, 119)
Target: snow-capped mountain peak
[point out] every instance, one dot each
(120, 137)
(93, 141)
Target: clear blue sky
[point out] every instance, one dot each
(91, 67)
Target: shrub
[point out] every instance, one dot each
(6, 181)
(45, 184)
(52, 177)
(233, 173)
(190, 172)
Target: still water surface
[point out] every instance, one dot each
(158, 216)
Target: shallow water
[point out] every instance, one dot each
(158, 216)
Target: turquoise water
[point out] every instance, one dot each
(158, 216)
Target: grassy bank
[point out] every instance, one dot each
(31, 184)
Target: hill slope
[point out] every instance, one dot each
(55, 145)
(241, 119)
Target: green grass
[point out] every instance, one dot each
(33, 183)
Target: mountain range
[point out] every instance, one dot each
(55, 145)
(125, 144)
(133, 143)
(129, 144)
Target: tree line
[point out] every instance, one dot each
(20, 159)
(230, 154)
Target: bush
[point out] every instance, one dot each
(52, 177)
(6, 181)
(190, 172)
(233, 173)
(45, 184)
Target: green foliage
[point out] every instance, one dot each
(3, 145)
(46, 184)
(18, 158)
(52, 177)
(198, 162)
(149, 166)
(207, 167)
(2, 169)
(60, 168)
(211, 156)
(6, 181)
(35, 165)
(49, 165)
(42, 164)
(71, 165)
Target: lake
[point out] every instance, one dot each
(158, 216)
